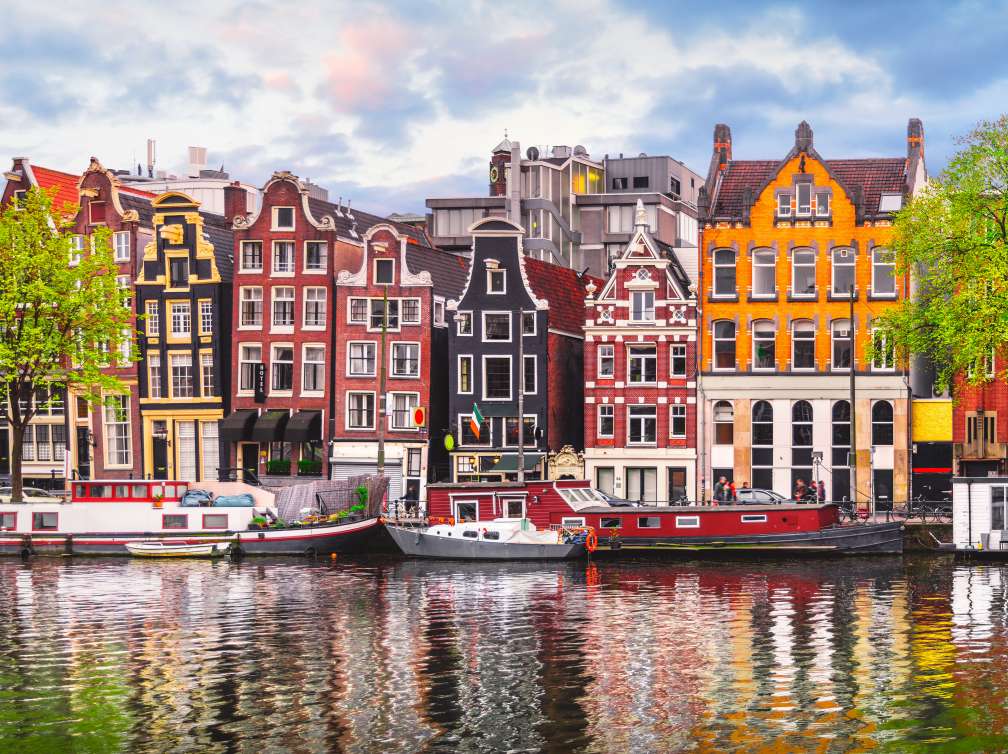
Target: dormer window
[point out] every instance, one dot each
(496, 281)
(283, 218)
(783, 205)
(803, 192)
(96, 212)
(822, 204)
(890, 202)
(384, 271)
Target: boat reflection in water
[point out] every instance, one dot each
(851, 655)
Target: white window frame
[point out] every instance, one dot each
(242, 325)
(875, 264)
(773, 340)
(392, 370)
(373, 359)
(374, 270)
(753, 518)
(306, 299)
(121, 245)
(292, 263)
(645, 309)
(483, 332)
(206, 316)
(784, 207)
(645, 358)
(241, 257)
(757, 253)
(687, 522)
(716, 266)
(630, 419)
(795, 266)
(678, 351)
(305, 362)
(394, 325)
(461, 317)
(439, 311)
(172, 391)
(833, 265)
(76, 249)
(188, 316)
(502, 274)
(367, 310)
(677, 408)
(152, 323)
(410, 427)
(325, 257)
(458, 373)
(124, 407)
(794, 338)
(820, 211)
(402, 311)
(273, 360)
(535, 374)
(603, 349)
(833, 342)
(285, 329)
(275, 221)
(799, 211)
(511, 389)
(207, 387)
(374, 410)
(535, 323)
(610, 409)
(241, 361)
(154, 375)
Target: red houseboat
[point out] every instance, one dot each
(788, 528)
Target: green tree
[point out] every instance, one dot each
(953, 239)
(63, 316)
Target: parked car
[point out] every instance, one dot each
(31, 495)
(747, 496)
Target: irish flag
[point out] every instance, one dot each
(475, 421)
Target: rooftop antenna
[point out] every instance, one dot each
(151, 157)
(339, 206)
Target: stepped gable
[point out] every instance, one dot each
(564, 290)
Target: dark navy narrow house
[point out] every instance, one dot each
(519, 324)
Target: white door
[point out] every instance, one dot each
(211, 451)
(186, 469)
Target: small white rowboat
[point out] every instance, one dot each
(164, 550)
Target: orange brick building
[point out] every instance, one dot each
(783, 242)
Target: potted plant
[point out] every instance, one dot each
(257, 522)
(158, 500)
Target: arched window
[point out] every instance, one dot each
(882, 423)
(841, 449)
(724, 423)
(724, 272)
(762, 445)
(764, 345)
(883, 273)
(803, 272)
(841, 333)
(724, 344)
(764, 273)
(843, 271)
(803, 344)
(801, 442)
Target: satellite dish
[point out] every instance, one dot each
(532, 153)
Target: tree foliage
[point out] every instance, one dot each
(953, 239)
(63, 315)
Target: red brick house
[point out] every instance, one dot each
(980, 427)
(416, 281)
(640, 375)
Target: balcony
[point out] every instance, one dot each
(980, 451)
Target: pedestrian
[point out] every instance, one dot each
(732, 493)
(720, 490)
(822, 491)
(800, 491)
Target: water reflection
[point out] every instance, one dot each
(850, 655)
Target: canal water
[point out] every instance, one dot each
(398, 656)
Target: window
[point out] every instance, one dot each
(463, 323)
(764, 345)
(178, 272)
(358, 310)
(282, 368)
(840, 438)
(802, 344)
(215, 521)
(402, 410)
(724, 423)
(643, 425)
(96, 212)
(206, 317)
(678, 420)
(181, 375)
(181, 323)
(466, 436)
(43, 449)
(8, 521)
(764, 281)
(843, 271)
(762, 445)
(27, 445)
(677, 360)
(754, 518)
(642, 306)
(841, 334)
(528, 320)
(380, 316)
(411, 311)
(687, 522)
(405, 359)
(121, 245)
(619, 184)
(783, 205)
(997, 508)
(465, 374)
(724, 345)
(606, 420)
(251, 256)
(497, 377)
(884, 357)
(640, 182)
(606, 360)
(605, 481)
(315, 307)
(153, 319)
(803, 263)
(283, 257)
(283, 218)
(529, 383)
(207, 374)
(801, 441)
(652, 522)
(313, 369)
(675, 188)
(315, 256)
(384, 271)
(249, 359)
(361, 360)
(496, 326)
(153, 375)
(76, 248)
(724, 272)
(45, 521)
(251, 307)
(439, 318)
(642, 364)
(496, 281)
(117, 430)
(882, 423)
(803, 193)
(283, 307)
(883, 272)
(360, 410)
(511, 431)
(890, 202)
(822, 203)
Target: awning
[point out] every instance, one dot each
(237, 425)
(304, 426)
(269, 427)
(509, 462)
(498, 409)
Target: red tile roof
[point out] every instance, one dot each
(874, 175)
(66, 186)
(564, 291)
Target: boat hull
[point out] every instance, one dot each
(415, 543)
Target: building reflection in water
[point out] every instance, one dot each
(389, 656)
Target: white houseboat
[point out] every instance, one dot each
(980, 515)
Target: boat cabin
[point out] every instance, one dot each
(147, 491)
(979, 507)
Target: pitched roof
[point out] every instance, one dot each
(563, 288)
(448, 271)
(873, 175)
(355, 225)
(64, 183)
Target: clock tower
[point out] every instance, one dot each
(500, 160)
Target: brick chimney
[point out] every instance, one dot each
(722, 145)
(915, 138)
(235, 201)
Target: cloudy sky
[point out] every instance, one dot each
(390, 103)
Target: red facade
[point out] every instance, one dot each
(980, 427)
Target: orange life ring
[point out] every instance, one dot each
(591, 542)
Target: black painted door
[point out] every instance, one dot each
(250, 462)
(4, 452)
(83, 453)
(160, 457)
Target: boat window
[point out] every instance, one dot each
(215, 521)
(45, 521)
(80, 490)
(101, 490)
(469, 534)
(465, 511)
(491, 535)
(140, 490)
(754, 518)
(997, 508)
(611, 522)
(687, 522)
(572, 522)
(649, 522)
(122, 491)
(8, 520)
(174, 521)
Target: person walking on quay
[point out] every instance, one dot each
(724, 492)
(800, 491)
(822, 491)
